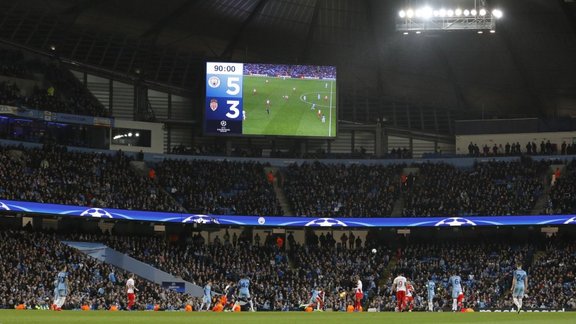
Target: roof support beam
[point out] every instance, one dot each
(227, 53)
(155, 29)
(310, 34)
(568, 13)
(537, 105)
(443, 59)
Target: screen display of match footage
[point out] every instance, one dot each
(270, 100)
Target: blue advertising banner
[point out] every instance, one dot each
(282, 221)
(55, 117)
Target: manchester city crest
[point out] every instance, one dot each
(214, 82)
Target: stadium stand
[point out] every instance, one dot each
(237, 188)
(493, 188)
(329, 190)
(562, 194)
(54, 175)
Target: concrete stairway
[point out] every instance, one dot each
(286, 209)
(105, 254)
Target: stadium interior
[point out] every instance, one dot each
(454, 153)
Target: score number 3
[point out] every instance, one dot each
(233, 89)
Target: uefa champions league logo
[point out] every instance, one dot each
(325, 222)
(455, 221)
(96, 212)
(571, 220)
(261, 220)
(3, 206)
(200, 219)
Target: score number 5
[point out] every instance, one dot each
(233, 89)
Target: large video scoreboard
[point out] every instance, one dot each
(270, 99)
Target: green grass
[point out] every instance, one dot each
(292, 116)
(12, 316)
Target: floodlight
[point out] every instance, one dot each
(426, 12)
(473, 12)
(492, 31)
(409, 13)
(442, 12)
(458, 12)
(449, 13)
(482, 12)
(402, 13)
(436, 13)
(466, 12)
(497, 13)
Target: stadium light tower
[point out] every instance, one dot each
(474, 16)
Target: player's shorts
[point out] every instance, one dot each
(518, 292)
(431, 297)
(131, 297)
(460, 298)
(206, 299)
(359, 296)
(455, 294)
(400, 295)
(409, 299)
(244, 294)
(62, 292)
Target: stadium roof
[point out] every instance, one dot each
(526, 69)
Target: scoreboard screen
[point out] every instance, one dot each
(270, 100)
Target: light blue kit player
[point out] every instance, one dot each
(519, 286)
(456, 283)
(207, 298)
(244, 292)
(431, 288)
(60, 289)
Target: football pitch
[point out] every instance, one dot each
(293, 108)
(14, 316)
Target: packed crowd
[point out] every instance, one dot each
(531, 148)
(494, 188)
(326, 190)
(54, 175)
(294, 71)
(31, 260)
(563, 192)
(553, 282)
(281, 278)
(212, 187)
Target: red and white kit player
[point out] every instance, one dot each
(358, 294)
(409, 296)
(399, 287)
(460, 299)
(130, 289)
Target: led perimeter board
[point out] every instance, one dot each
(270, 100)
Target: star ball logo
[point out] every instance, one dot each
(213, 104)
(214, 82)
(223, 123)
